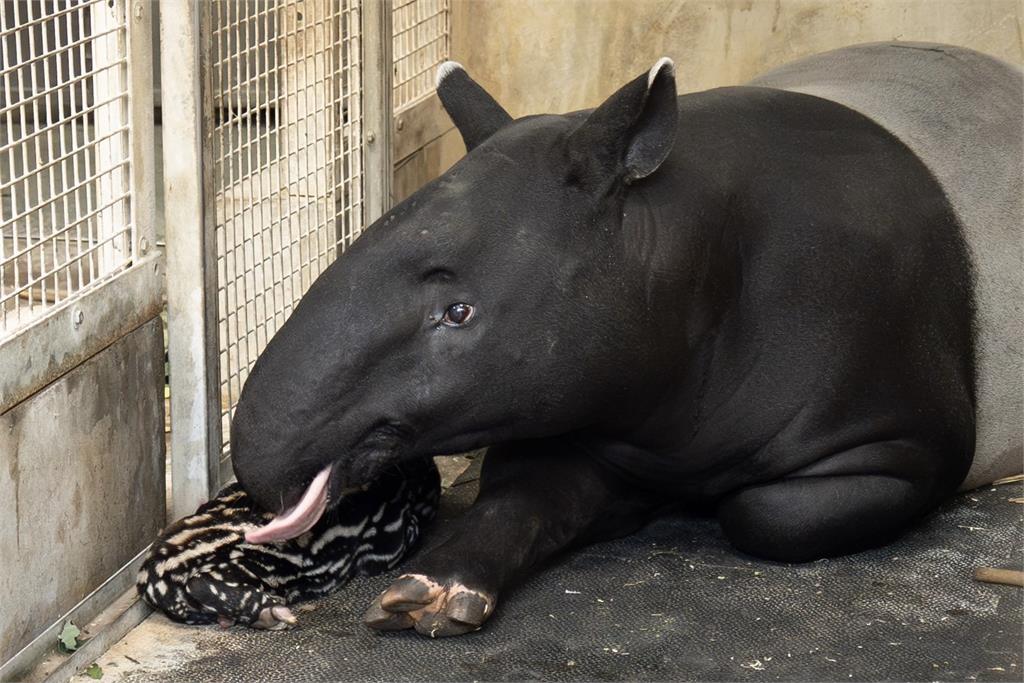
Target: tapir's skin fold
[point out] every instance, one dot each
(753, 300)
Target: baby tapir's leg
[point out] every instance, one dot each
(851, 501)
(536, 499)
(236, 596)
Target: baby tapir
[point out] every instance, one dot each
(797, 303)
(201, 571)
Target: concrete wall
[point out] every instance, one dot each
(559, 55)
(82, 482)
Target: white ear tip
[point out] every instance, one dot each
(445, 70)
(663, 63)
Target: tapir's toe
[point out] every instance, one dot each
(436, 609)
(275, 618)
(380, 619)
(468, 607)
(442, 626)
(410, 592)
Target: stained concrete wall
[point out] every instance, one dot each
(559, 55)
(81, 482)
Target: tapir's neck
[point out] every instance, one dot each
(684, 229)
(689, 268)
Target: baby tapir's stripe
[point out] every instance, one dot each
(201, 570)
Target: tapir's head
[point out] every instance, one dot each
(496, 303)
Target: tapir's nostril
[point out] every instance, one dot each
(386, 430)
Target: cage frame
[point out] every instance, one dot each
(197, 470)
(78, 328)
(73, 330)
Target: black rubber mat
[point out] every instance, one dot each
(675, 602)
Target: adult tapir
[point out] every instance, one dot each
(797, 303)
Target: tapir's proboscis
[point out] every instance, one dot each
(795, 304)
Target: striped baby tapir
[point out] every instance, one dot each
(201, 570)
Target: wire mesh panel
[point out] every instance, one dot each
(287, 166)
(421, 43)
(65, 222)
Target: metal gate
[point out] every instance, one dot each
(81, 358)
(293, 103)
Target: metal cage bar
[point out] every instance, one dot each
(378, 105)
(77, 221)
(287, 87)
(296, 159)
(277, 96)
(67, 220)
(191, 316)
(422, 41)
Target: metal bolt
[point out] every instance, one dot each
(143, 246)
(77, 317)
(401, 123)
(370, 137)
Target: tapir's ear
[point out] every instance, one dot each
(475, 113)
(631, 134)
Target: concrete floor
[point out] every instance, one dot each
(673, 602)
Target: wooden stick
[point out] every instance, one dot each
(1007, 577)
(1009, 480)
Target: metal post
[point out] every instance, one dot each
(377, 110)
(140, 126)
(191, 256)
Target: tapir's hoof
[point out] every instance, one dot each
(275, 618)
(433, 609)
(380, 619)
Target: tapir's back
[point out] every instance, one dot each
(961, 113)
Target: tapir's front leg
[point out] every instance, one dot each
(536, 499)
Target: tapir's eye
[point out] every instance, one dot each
(457, 314)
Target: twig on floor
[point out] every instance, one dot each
(1007, 577)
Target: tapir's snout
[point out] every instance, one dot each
(299, 469)
(321, 396)
(264, 451)
(309, 401)
(278, 449)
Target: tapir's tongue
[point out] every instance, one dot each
(299, 519)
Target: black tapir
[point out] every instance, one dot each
(796, 303)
